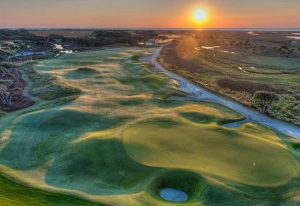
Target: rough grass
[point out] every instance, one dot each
(50, 104)
(97, 146)
(81, 73)
(2, 113)
(13, 194)
(48, 87)
(132, 102)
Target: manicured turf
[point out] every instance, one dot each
(251, 155)
(119, 139)
(209, 114)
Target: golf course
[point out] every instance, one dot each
(108, 129)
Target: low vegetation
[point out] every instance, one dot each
(264, 100)
(12, 87)
(243, 86)
(237, 69)
(286, 108)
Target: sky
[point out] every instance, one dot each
(149, 13)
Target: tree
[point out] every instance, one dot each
(16, 91)
(263, 100)
(4, 95)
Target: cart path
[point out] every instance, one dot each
(200, 93)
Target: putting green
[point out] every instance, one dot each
(104, 129)
(251, 155)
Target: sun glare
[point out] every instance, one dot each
(200, 15)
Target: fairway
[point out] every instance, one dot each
(104, 129)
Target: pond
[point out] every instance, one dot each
(173, 195)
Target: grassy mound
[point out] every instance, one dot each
(48, 87)
(81, 73)
(142, 81)
(209, 113)
(98, 167)
(13, 194)
(132, 102)
(50, 104)
(53, 131)
(296, 145)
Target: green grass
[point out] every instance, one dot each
(120, 139)
(208, 67)
(81, 73)
(251, 155)
(189, 182)
(132, 102)
(209, 113)
(48, 87)
(50, 104)
(12, 194)
(99, 167)
(53, 131)
(2, 113)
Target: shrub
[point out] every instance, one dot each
(244, 86)
(263, 100)
(286, 108)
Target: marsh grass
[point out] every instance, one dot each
(220, 73)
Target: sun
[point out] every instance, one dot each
(200, 15)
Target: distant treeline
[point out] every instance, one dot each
(96, 39)
(22, 34)
(101, 38)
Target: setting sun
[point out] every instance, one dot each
(200, 15)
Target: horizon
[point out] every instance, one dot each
(169, 14)
(153, 29)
